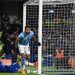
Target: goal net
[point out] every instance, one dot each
(57, 34)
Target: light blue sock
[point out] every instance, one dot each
(23, 63)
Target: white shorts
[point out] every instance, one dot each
(24, 49)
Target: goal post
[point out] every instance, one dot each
(24, 16)
(40, 36)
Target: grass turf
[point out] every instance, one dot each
(15, 74)
(37, 74)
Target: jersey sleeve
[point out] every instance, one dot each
(20, 36)
(32, 34)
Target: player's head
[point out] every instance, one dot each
(27, 29)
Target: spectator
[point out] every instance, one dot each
(14, 56)
(5, 22)
(59, 58)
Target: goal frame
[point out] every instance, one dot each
(40, 3)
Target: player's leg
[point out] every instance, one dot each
(27, 51)
(22, 52)
(23, 60)
(28, 55)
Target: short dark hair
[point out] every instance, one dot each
(27, 27)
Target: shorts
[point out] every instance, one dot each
(24, 49)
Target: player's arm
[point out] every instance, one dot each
(17, 39)
(35, 41)
(16, 42)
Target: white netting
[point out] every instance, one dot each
(32, 20)
(58, 49)
(57, 37)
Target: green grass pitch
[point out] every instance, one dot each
(15, 74)
(37, 74)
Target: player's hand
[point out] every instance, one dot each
(37, 43)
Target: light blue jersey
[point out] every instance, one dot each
(24, 39)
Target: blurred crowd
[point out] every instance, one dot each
(10, 31)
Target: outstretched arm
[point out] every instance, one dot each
(34, 40)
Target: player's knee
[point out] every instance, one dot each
(28, 56)
(23, 55)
